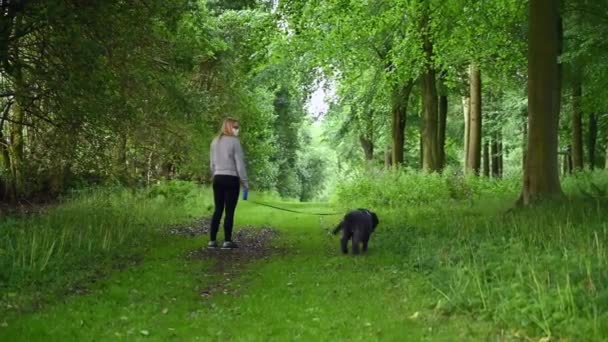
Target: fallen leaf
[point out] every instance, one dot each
(165, 310)
(144, 332)
(415, 315)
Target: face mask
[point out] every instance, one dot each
(235, 132)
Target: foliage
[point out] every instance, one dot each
(541, 269)
(312, 173)
(141, 101)
(405, 188)
(91, 226)
(370, 48)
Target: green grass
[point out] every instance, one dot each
(91, 234)
(445, 271)
(540, 269)
(311, 291)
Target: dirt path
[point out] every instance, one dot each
(254, 244)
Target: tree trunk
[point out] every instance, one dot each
(399, 110)
(4, 161)
(606, 156)
(368, 147)
(367, 137)
(495, 153)
(119, 163)
(541, 176)
(606, 152)
(430, 159)
(500, 155)
(430, 156)
(16, 152)
(388, 160)
(474, 156)
(592, 142)
(166, 170)
(150, 166)
(524, 143)
(565, 164)
(421, 148)
(577, 126)
(466, 108)
(443, 117)
(16, 148)
(606, 149)
(570, 164)
(486, 159)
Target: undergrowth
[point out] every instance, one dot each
(542, 269)
(93, 229)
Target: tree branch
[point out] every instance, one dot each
(7, 107)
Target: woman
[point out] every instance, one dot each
(228, 170)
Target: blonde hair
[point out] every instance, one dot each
(227, 126)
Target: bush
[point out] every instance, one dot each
(406, 188)
(175, 191)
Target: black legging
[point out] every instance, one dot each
(226, 194)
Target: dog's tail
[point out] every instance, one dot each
(337, 229)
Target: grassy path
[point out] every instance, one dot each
(307, 292)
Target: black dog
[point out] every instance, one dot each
(359, 225)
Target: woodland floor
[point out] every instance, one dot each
(287, 281)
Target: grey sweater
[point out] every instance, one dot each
(227, 157)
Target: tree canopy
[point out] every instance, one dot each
(133, 92)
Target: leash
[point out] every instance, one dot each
(291, 210)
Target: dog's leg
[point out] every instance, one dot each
(356, 241)
(365, 244)
(344, 243)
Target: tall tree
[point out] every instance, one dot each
(474, 156)
(606, 155)
(430, 154)
(442, 123)
(466, 109)
(500, 158)
(592, 140)
(486, 158)
(399, 103)
(97, 89)
(286, 129)
(541, 176)
(496, 156)
(606, 149)
(347, 39)
(577, 124)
